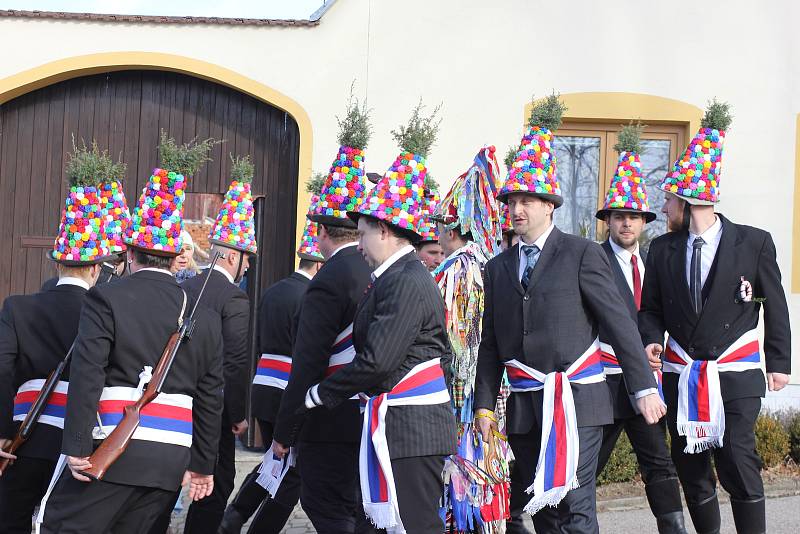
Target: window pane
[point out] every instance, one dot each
(655, 163)
(578, 171)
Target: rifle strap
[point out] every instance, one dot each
(182, 316)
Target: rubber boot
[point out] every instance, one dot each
(516, 525)
(671, 523)
(705, 515)
(664, 498)
(270, 518)
(244, 504)
(749, 516)
(232, 521)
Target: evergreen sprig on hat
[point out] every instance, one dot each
(419, 134)
(234, 226)
(345, 185)
(695, 176)
(533, 170)
(185, 159)
(627, 192)
(315, 183)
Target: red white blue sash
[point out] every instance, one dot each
(556, 469)
(342, 352)
(273, 370)
(611, 365)
(55, 409)
(168, 419)
(424, 385)
(701, 414)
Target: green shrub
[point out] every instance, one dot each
(772, 440)
(793, 426)
(622, 465)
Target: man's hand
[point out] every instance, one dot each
(279, 450)
(76, 465)
(777, 381)
(200, 486)
(651, 407)
(4, 444)
(485, 422)
(653, 351)
(240, 428)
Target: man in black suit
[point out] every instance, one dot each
(123, 330)
(625, 226)
(277, 311)
(326, 440)
(399, 330)
(705, 287)
(545, 302)
(223, 297)
(36, 332)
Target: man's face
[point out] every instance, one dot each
(245, 265)
(371, 242)
(529, 214)
(431, 255)
(625, 228)
(673, 209)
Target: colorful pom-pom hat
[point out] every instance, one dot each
(83, 233)
(627, 192)
(695, 176)
(234, 226)
(428, 232)
(157, 219)
(117, 214)
(505, 219)
(397, 199)
(470, 204)
(534, 168)
(309, 246)
(344, 189)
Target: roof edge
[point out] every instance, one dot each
(157, 19)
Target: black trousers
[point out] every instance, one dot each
(577, 512)
(22, 486)
(100, 507)
(737, 463)
(420, 488)
(205, 515)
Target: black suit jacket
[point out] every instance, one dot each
(328, 307)
(571, 295)
(233, 307)
(277, 313)
(743, 251)
(620, 396)
(125, 326)
(399, 324)
(36, 332)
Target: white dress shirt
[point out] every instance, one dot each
(523, 259)
(711, 237)
(73, 281)
(302, 272)
(226, 273)
(391, 260)
(624, 259)
(156, 270)
(346, 245)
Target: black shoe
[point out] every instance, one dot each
(232, 522)
(671, 523)
(705, 515)
(749, 516)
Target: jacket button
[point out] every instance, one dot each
(526, 297)
(727, 326)
(524, 332)
(679, 327)
(691, 350)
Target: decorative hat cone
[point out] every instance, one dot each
(398, 197)
(696, 175)
(234, 226)
(84, 234)
(309, 246)
(505, 214)
(157, 219)
(470, 205)
(627, 192)
(116, 212)
(428, 232)
(534, 168)
(346, 184)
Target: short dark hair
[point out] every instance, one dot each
(306, 264)
(422, 244)
(341, 234)
(395, 231)
(152, 260)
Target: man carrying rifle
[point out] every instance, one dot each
(124, 329)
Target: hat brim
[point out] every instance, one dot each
(309, 257)
(228, 245)
(411, 235)
(162, 253)
(330, 220)
(557, 200)
(649, 216)
(77, 263)
(691, 200)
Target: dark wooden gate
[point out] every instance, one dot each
(124, 111)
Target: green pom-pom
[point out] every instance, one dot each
(185, 159)
(419, 135)
(547, 112)
(629, 139)
(315, 182)
(90, 166)
(355, 128)
(242, 169)
(718, 116)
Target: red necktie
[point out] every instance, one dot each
(637, 282)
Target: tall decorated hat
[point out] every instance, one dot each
(428, 232)
(695, 176)
(346, 184)
(234, 226)
(309, 246)
(398, 197)
(534, 168)
(84, 234)
(115, 209)
(470, 205)
(157, 219)
(627, 191)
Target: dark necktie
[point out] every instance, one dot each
(531, 257)
(637, 282)
(696, 275)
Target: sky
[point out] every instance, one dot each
(256, 9)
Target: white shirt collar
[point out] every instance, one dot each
(73, 281)
(391, 260)
(303, 273)
(539, 242)
(623, 253)
(226, 273)
(155, 270)
(711, 234)
(354, 243)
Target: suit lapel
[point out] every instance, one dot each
(619, 277)
(511, 262)
(550, 251)
(726, 278)
(677, 269)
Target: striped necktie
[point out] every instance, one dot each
(531, 257)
